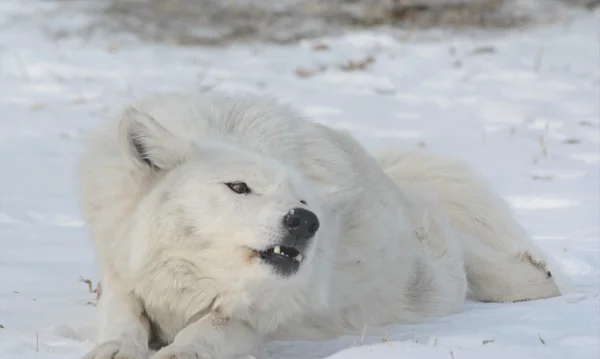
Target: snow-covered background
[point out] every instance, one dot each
(521, 106)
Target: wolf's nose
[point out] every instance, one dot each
(301, 223)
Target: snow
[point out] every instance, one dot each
(521, 107)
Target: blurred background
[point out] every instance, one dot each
(213, 22)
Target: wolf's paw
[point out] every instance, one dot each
(175, 352)
(117, 350)
(526, 256)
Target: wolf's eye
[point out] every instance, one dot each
(239, 187)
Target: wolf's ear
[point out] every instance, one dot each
(148, 143)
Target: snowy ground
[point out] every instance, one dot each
(521, 108)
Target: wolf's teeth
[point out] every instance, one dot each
(277, 250)
(298, 258)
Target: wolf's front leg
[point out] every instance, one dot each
(215, 338)
(123, 328)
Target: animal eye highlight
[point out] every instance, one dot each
(239, 187)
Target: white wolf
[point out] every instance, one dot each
(221, 223)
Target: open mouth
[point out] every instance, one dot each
(282, 251)
(285, 260)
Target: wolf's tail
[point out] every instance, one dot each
(501, 261)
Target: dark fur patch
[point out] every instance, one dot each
(155, 337)
(188, 230)
(156, 342)
(142, 152)
(420, 287)
(220, 322)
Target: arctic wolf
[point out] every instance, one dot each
(220, 223)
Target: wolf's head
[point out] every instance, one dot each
(218, 213)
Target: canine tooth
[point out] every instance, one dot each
(298, 258)
(277, 250)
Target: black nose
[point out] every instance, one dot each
(301, 223)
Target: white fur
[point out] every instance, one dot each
(403, 236)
